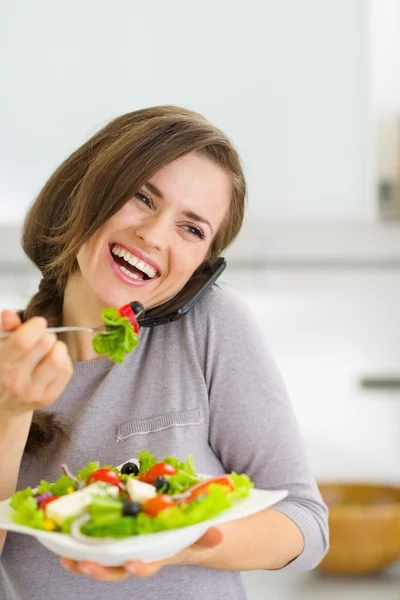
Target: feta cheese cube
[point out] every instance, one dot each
(139, 491)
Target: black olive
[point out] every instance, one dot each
(137, 307)
(131, 509)
(130, 468)
(161, 482)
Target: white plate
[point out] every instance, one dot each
(146, 547)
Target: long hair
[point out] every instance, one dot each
(92, 184)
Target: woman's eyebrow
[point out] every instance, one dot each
(154, 190)
(186, 213)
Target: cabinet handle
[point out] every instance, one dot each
(388, 382)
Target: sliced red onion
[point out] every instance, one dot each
(77, 535)
(68, 473)
(40, 497)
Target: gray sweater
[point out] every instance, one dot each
(205, 385)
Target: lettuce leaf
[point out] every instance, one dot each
(44, 486)
(25, 509)
(186, 465)
(172, 518)
(242, 484)
(18, 499)
(105, 505)
(91, 467)
(66, 524)
(146, 461)
(62, 486)
(113, 527)
(122, 340)
(181, 482)
(185, 514)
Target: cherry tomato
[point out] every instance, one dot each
(126, 311)
(47, 501)
(158, 470)
(155, 505)
(106, 475)
(202, 488)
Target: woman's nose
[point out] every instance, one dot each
(155, 232)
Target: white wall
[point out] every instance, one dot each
(288, 80)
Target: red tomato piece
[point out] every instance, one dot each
(158, 470)
(155, 505)
(126, 311)
(202, 488)
(46, 501)
(106, 475)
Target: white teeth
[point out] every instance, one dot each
(134, 261)
(132, 275)
(140, 264)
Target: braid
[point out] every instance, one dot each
(47, 302)
(46, 427)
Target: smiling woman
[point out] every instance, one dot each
(157, 239)
(136, 214)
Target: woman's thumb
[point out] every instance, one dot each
(9, 320)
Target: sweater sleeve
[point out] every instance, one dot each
(253, 428)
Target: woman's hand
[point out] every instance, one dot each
(34, 366)
(213, 537)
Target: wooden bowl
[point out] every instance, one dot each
(364, 522)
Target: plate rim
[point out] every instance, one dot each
(266, 497)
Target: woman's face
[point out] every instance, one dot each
(150, 248)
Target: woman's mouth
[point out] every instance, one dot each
(132, 266)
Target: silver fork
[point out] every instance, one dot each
(101, 329)
(136, 307)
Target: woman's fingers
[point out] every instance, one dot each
(42, 348)
(34, 366)
(51, 375)
(213, 537)
(22, 341)
(9, 320)
(95, 570)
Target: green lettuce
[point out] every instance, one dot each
(44, 486)
(120, 527)
(62, 486)
(242, 484)
(112, 525)
(91, 467)
(122, 340)
(25, 509)
(66, 524)
(105, 505)
(146, 460)
(184, 478)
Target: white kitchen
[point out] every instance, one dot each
(310, 95)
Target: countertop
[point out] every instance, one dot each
(313, 586)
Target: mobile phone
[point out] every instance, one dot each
(190, 294)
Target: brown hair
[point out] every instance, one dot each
(93, 184)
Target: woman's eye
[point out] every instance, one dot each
(144, 198)
(194, 231)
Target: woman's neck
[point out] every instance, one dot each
(82, 309)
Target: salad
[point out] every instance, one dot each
(143, 496)
(124, 326)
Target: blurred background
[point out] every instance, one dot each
(309, 92)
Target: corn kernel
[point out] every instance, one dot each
(70, 490)
(49, 525)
